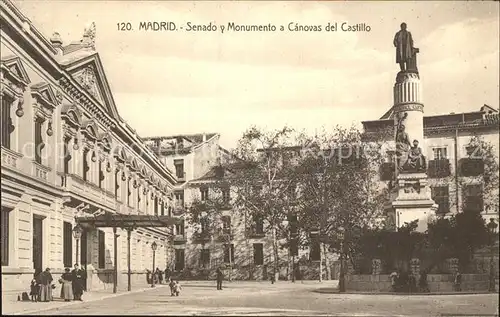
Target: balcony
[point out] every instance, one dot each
(79, 191)
(181, 177)
(387, 171)
(180, 238)
(11, 159)
(255, 232)
(473, 203)
(471, 167)
(439, 168)
(201, 236)
(179, 208)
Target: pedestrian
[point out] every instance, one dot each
(220, 277)
(458, 282)
(78, 282)
(35, 288)
(160, 276)
(171, 284)
(167, 274)
(67, 285)
(394, 281)
(45, 286)
(177, 288)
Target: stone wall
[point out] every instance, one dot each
(436, 283)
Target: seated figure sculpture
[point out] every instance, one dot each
(415, 161)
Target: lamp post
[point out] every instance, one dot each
(492, 228)
(341, 275)
(77, 234)
(153, 247)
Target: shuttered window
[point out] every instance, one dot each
(5, 235)
(38, 141)
(258, 253)
(229, 251)
(85, 164)
(6, 121)
(102, 249)
(67, 244)
(67, 155)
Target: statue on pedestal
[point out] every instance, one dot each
(406, 54)
(415, 161)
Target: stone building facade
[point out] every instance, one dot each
(65, 153)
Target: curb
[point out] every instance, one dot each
(66, 304)
(335, 291)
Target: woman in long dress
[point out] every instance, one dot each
(67, 285)
(46, 286)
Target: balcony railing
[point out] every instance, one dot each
(180, 238)
(11, 158)
(77, 186)
(473, 203)
(202, 236)
(439, 168)
(471, 167)
(255, 232)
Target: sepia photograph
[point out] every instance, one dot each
(250, 158)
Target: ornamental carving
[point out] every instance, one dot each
(13, 82)
(44, 101)
(88, 81)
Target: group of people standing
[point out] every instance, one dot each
(73, 283)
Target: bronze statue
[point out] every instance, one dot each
(406, 54)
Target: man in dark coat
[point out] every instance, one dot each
(403, 42)
(78, 282)
(220, 277)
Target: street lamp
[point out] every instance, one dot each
(77, 234)
(492, 228)
(341, 275)
(153, 247)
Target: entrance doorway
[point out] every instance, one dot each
(37, 243)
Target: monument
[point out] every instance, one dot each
(412, 194)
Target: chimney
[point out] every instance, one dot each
(57, 42)
(204, 137)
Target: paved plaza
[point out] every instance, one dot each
(281, 299)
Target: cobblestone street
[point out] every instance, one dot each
(284, 298)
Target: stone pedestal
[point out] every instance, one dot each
(413, 200)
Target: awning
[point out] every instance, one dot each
(112, 220)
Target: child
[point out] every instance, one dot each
(34, 290)
(177, 288)
(172, 286)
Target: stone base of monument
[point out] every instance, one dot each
(413, 201)
(437, 283)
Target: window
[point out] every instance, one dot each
(226, 225)
(101, 175)
(440, 195)
(473, 198)
(67, 155)
(38, 140)
(205, 258)
(226, 195)
(179, 168)
(440, 153)
(67, 244)
(6, 122)
(85, 163)
(179, 229)
(204, 194)
(314, 254)
(258, 254)
(129, 192)
(293, 225)
(179, 259)
(102, 249)
(204, 224)
(229, 251)
(179, 198)
(163, 208)
(156, 206)
(117, 185)
(5, 235)
(259, 225)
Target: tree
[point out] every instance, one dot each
(260, 179)
(207, 216)
(337, 174)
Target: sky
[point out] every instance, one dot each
(183, 82)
